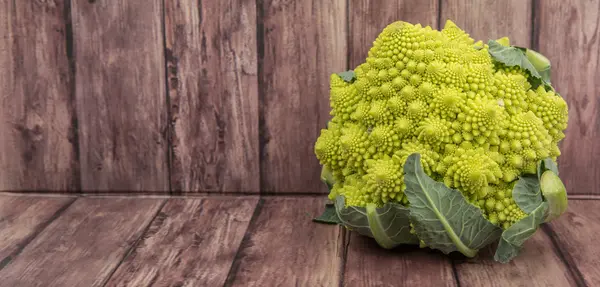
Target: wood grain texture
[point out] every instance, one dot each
(121, 95)
(368, 18)
(569, 35)
(303, 43)
(538, 264)
(367, 264)
(489, 19)
(213, 92)
(576, 232)
(285, 248)
(84, 245)
(21, 218)
(38, 145)
(192, 242)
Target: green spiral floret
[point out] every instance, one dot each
(353, 189)
(417, 110)
(355, 146)
(434, 131)
(471, 170)
(511, 90)
(447, 103)
(380, 113)
(480, 78)
(456, 34)
(426, 91)
(362, 114)
(404, 127)
(480, 119)
(396, 105)
(455, 75)
(343, 99)
(481, 57)
(525, 142)
(384, 138)
(384, 179)
(436, 71)
(327, 147)
(408, 93)
(397, 40)
(552, 110)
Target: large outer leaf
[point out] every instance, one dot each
(513, 238)
(441, 216)
(389, 225)
(352, 217)
(527, 193)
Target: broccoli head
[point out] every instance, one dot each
(477, 123)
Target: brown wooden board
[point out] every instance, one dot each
(301, 43)
(213, 93)
(368, 18)
(22, 218)
(368, 264)
(576, 234)
(38, 143)
(538, 264)
(121, 95)
(192, 242)
(284, 247)
(489, 19)
(569, 36)
(84, 245)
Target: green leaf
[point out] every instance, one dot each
(441, 216)
(352, 217)
(541, 64)
(511, 56)
(554, 193)
(545, 75)
(546, 164)
(389, 225)
(513, 237)
(526, 59)
(527, 193)
(329, 216)
(348, 76)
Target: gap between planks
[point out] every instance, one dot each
(211, 194)
(135, 244)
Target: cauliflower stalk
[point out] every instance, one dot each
(449, 135)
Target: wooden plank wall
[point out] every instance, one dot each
(229, 96)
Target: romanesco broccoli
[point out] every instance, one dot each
(477, 124)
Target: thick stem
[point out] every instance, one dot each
(377, 229)
(555, 193)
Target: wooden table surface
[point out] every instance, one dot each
(252, 241)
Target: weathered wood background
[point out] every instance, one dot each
(177, 96)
